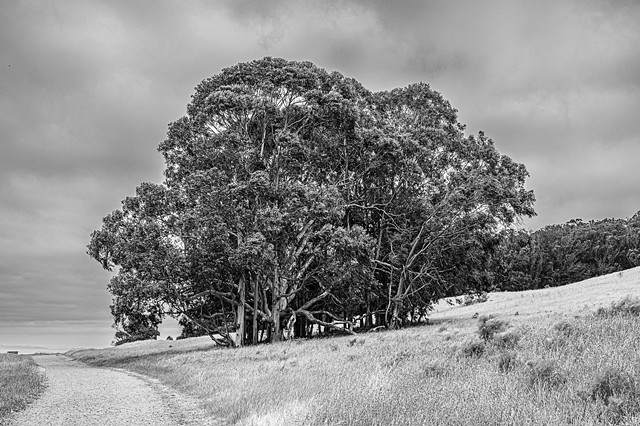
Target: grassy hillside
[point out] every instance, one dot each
(557, 302)
(555, 362)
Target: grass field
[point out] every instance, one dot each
(554, 362)
(20, 382)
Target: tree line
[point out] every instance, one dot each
(562, 254)
(296, 201)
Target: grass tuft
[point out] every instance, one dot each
(612, 383)
(435, 369)
(618, 394)
(544, 374)
(507, 339)
(472, 347)
(563, 327)
(507, 361)
(488, 327)
(627, 306)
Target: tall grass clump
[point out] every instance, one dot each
(544, 373)
(472, 347)
(618, 394)
(507, 339)
(627, 306)
(496, 332)
(20, 383)
(488, 327)
(507, 361)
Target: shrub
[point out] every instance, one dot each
(544, 373)
(472, 347)
(472, 299)
(488, 327)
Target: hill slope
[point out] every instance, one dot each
(569, 300)
(531, 372)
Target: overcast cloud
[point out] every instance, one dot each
(87, 89)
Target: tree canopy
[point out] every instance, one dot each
(562, 254)
(297, 200)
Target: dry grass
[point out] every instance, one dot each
(566, 301)
(543, 369)
(20, 382)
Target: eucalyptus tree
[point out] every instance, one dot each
(428, 195)
(296, 196)
(256, 156)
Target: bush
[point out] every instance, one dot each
(472, 299)
(544, 373)
(488, 327)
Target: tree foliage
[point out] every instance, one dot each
(561, 254)
(295, 198)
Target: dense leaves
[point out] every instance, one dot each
(296, 201)
(562, 254)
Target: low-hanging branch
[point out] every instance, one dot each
(333, 326)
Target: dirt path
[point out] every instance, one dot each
(81, 395)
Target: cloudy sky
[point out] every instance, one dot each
(87, 89)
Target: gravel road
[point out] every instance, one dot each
(80, 395)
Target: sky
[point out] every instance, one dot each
(87, 89)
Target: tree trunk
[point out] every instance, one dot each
(301, 328)
(324, 327)
(240, 319)
(276, 334)
(248, 332)
(396, 321)
(291, 326)
(254, 322)
(367, 318)
(275, 308)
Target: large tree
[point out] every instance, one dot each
(295, 197)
